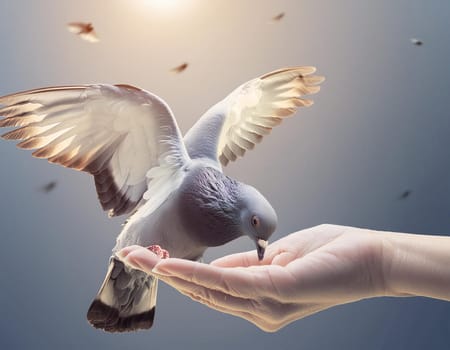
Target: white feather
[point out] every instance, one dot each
(238, 122)
(117, 133)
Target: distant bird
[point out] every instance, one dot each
(84, 30)
(181, 68)
(278, 17)
(174, 187)
(405, 194)
(49, 187)
(417, 42)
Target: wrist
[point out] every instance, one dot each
(416, 265)
(389, 264)
(382, 257)
(373, 261)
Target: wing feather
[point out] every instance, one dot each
(234, 125)
(117, 133)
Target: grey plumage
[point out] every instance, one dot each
(127, 303)
(174, 188)
(206, 211)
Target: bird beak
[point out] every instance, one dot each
(261, 246)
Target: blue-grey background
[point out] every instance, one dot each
(379, 126)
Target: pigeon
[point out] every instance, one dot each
(416, 41)
(181, 68)
(173, 188)
(48, 187)
(278, 17)
(84, 30)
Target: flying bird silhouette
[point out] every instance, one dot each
(48, 187)
(173, 187)
(278, 17)
(83, 30)
(405, 194)
(417, 42)
(181, 68)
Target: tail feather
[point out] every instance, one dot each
(126, 300)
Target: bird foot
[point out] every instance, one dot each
(160, 252)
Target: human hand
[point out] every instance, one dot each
(301, 274)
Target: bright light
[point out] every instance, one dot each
(164, 4)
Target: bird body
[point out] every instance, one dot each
(203, 213)
(191, 219)
(278, 17)
(180, 68)
(174, 188)
(416, 41)
(48, 187)
(84, 30)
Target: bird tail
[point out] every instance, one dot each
(126, 300)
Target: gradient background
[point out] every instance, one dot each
(380, 126)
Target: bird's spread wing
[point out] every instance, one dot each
(90, 36)
(76, 27)
(234, 125)
(115, 132)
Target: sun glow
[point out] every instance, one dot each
(164, 4)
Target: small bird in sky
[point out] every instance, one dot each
(181, 68)
(47, 188)
(416, 41)
(84, 30)
(405, 194)
(172, 187)
(278, 17)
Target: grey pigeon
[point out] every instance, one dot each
(173, 188)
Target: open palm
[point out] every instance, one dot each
(301, 274)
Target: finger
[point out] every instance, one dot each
(275, 255)
(200, 274)
(242, 314)
(214, 297)
(249, 258)
(284, 258)
(276, 323)
(240, 260)
(258, 322)
(245, 314)
(240, 282)
(269, 316)
(142, 259)
(121, 254)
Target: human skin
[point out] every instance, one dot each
(308, 271)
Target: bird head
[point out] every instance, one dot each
(258, 219)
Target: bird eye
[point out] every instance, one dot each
(255, 221)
